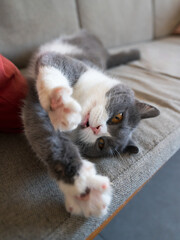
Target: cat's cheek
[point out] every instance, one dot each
(103, 130)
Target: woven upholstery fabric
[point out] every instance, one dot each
(24, 25)
(32, 207)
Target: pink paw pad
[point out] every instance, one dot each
(104, 186)
(56, 103)
(70, 209)
(56, 99)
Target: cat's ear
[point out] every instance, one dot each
(131, 148)
(146, 111)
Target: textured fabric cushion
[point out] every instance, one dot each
(13, 88)
(161, 56)
(25, 24)
(166, 16)
(32, 206)
(117, 22)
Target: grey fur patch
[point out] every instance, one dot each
(71, 68)
(94, 53)
(118, 99)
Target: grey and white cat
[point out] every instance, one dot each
(75, 110)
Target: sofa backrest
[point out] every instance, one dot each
(117, 22)
(25, 24)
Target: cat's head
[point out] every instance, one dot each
(109, 122)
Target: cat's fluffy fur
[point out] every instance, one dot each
(71, 103)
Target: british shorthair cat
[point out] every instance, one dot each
(75, 110)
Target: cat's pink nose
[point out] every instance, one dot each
(96, 130)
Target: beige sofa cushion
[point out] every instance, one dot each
(25, 24)
(166, 16)
(161, 56)
(117, 22)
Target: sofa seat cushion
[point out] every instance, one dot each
(159, 56)
(32, 207)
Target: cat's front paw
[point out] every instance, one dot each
(65, 112)
(89, 195)
(92, 202)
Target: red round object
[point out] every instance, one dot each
(13, 89)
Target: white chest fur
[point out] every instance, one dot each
(93, 86)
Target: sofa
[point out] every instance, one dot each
(31, 205)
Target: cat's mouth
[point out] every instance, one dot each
(85, 122)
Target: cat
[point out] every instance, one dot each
(75, 110)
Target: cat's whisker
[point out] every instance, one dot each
(118, 153)
(112, 153)
(128, 128)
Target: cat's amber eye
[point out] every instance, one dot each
(117, 118)
(101, 143)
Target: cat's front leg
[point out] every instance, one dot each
(85, 191)
(55, 95)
